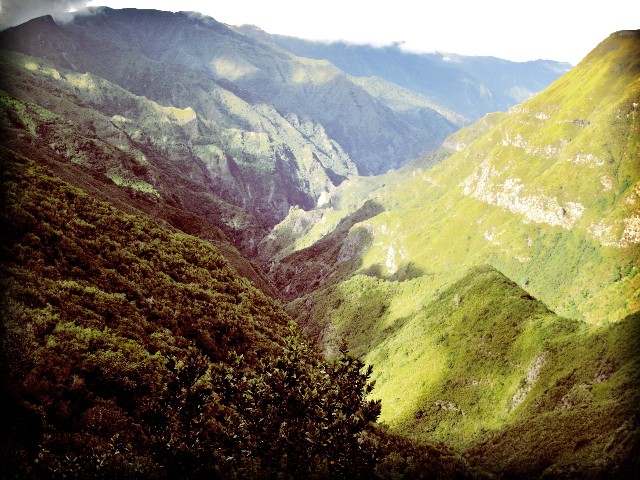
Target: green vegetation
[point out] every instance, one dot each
(130, 351)
(547, 193)
(486, 369)
(580, 415)
(77, 135)
(466, 354)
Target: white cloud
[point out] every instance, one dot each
(549, 29)
(15, 12)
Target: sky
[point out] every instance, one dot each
(562, 30)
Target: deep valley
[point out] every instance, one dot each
(229, 254)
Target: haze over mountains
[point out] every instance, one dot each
(272, 130)
(470, 86)
(487, 271)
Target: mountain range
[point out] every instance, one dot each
(470, 86)
(487, 271)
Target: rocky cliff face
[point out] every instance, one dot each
(251, 124)
(246, 152)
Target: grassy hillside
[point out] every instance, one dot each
(547, 193)
(580, 415)
(495, 360)
(485, 368)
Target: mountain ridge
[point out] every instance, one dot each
(481, 84)
(276, 81)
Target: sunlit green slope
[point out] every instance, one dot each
(547, 193)
(579, 410)
(548, 196)
(484, 367)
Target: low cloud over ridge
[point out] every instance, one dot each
(15, 12)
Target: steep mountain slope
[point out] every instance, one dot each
(470, 86)
(249, 154)
(585, 390)
(129, 351)
(302, 91)
(68, 123)
(487, 369)
(547, 194)
(292, 85)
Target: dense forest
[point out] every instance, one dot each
(131, 351)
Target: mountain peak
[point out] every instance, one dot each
(626, 33)
(626, 44)
(45, 20)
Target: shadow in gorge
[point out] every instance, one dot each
(406, 271)
(333, 258)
